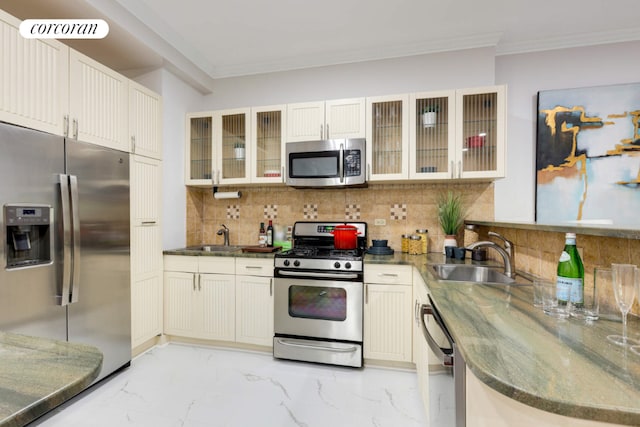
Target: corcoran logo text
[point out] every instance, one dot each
(64, 29)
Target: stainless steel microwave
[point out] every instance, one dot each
(326, 163)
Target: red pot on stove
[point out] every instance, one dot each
(345, 237)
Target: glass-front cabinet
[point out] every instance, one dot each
(458, 134)
(231, 139)
(199, 150)
(267, 144)
(480, 121)
(387, 138)
(432, 140)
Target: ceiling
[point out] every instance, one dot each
(203, 40)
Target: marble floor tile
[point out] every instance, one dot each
(180, 385)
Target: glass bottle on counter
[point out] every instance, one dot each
(570, 281)
(424, 234)
(270, 234)
(262, 236)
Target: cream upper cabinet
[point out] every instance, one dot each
(34, 87)
(145, 121)
(231, 137)
(199, 149)
(335, 119)
(432, 141)
(481, 130)
(458, 134)
(98, 103)
(388, 138)
(267, 146)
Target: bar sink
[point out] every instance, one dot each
(470, 273)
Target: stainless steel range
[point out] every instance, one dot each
(318, 297)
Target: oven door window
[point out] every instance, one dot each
(318, 302)
(320, 164)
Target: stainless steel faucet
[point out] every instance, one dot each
(224, 231)
(507, 253)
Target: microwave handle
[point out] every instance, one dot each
(341, 164)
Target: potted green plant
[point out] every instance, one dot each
(429, 115)
(450, 216)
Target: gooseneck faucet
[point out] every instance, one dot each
(507, 253)
(224, 231)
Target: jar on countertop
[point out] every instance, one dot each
(424, 234)
(415, 245)
(405, 243)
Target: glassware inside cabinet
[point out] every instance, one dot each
(432, 135)
(387, 138)
(234, 140)
(268, 142)
(479, 132)
(200, 148)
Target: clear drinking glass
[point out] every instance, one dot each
(624, 279)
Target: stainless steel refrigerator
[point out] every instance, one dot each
(65, 252)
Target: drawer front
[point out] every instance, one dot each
(388, 274)
(216, 265)
(187, 264)
(254, 267)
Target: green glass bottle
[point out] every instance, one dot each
(570, 282)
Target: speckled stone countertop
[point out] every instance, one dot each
(237, 252)
(567, 367)
(38, 374)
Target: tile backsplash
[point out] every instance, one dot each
(403, 207)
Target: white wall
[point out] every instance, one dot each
(449, 70)
(525, 75)
(178, 98)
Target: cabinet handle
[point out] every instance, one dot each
(75, 128)
(321, 130)
(366, 294)
(199, 282)
(452, 167)
(282, 175)
(459, 168)
(327, 130)
(387, 275)
(65, 125)
(133, 144)
(148, 223)
(194, 282)
(271, 287)
(253, 267)
(368, 171)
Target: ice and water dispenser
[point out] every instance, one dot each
(29, 237)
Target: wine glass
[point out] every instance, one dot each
(624, 279)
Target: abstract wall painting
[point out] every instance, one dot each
(588, 156)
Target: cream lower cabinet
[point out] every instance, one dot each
(199, 297)
(254, 301)
(387, 312)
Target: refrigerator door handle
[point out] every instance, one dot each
(75, 219)
(66, 240)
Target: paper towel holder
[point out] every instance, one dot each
(225, 194)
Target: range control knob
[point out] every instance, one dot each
(337, 264)
(296, 263)
(347, 265)
(286, 263)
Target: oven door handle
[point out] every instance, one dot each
(445, 355)
(349, 349)
(317, 275)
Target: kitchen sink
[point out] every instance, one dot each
(214, 248)
(470, 273)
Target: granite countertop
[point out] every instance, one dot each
(38, 374)
(236, 252)
(567, 367)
